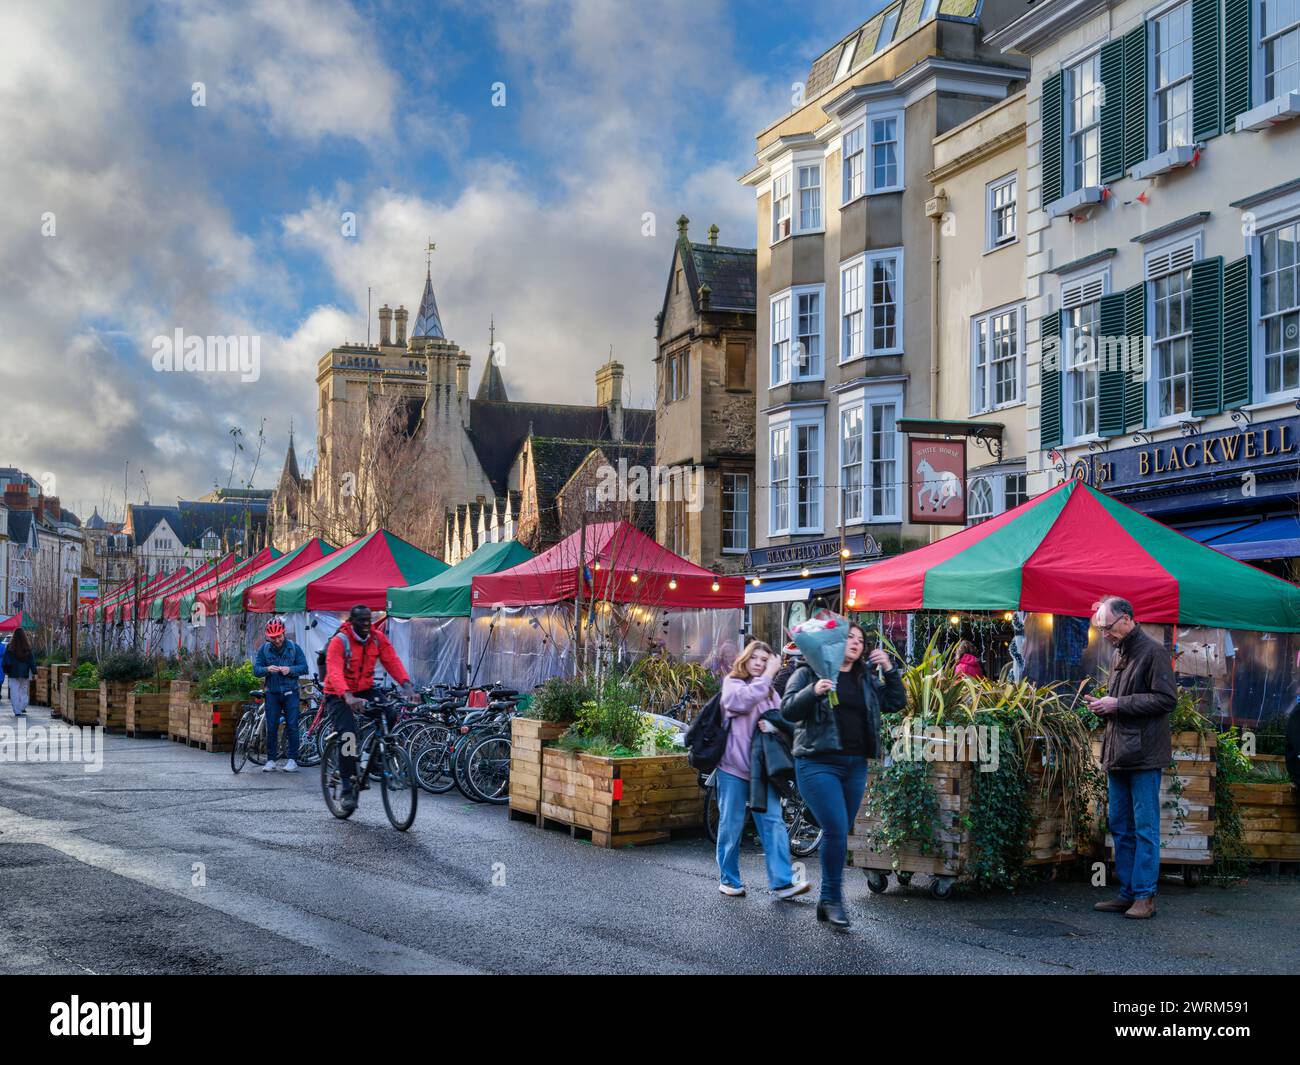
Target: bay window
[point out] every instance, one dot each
(810, 198)
(854, 164)
(780, 207)
(779, 479)
(780, 339)
(851, 464)
(851, 315)
(886, 145)
(1279, 307)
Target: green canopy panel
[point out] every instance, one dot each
(448, 594)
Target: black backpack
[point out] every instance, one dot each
(320, 655)
(706, 739)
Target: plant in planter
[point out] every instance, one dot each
(559, 699)
(228, 683)
(665, 681)
(118, 674)
(611, 723)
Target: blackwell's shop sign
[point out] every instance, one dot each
(1267, 444)
(808, 552)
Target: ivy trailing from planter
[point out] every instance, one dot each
(999, 820)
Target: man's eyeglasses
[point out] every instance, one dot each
(1107, 628)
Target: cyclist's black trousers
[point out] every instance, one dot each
(345, 724)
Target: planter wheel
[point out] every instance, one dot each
(1191, 875)
(904, 877)
(877, 881)
(941, 887)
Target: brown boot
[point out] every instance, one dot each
(1113, 906)
(1141, 909)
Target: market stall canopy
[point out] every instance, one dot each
(1063, 550)
(114, 606)
(448, 594)
(18, 621)
(231, 597)
(207, 591)
(622, 564)
(362, 572)
(137, 606)
(168, 607)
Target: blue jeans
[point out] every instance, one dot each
(733, 796)
(281, 704)
(1133, 814)
(832, 786)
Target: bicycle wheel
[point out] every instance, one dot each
(309, 750)
(331, 780)
(463, 745)
(804, 831)
(398, 786)
(239, 750)
(429, 756)
(257, 738)
(487, 769)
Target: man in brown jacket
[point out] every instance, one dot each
(1135, 750)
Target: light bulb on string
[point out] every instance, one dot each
(954, 620)
(756, 581)
(672, 584)
(635, 576)
(716, 585)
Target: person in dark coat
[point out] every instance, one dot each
(770, 760)
(1136, 748)
(792, 660)
(19, 665)
(831, 748)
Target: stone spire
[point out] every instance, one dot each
(492, 386)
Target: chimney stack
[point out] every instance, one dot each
(609, 394)
(713, 235)
(400, 315)
(683, 225)
(39, 509)
(53, 508)
(16, 497)
(385, 326)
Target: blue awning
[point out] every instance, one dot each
(790, 589)
(1277, 537)
(1206, 533)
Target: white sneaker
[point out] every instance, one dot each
(289, 766)
(734, 892)
(270, 767)
(791, 890)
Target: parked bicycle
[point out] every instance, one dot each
(800, 824)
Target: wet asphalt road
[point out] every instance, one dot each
(166, 862)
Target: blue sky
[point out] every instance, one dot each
(225, 219)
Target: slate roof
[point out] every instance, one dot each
(20, 526)
(556, 461)
(492, 386)
(428, 323)
(95, 522)
(498, 430)
(731, 274)
(189, 519)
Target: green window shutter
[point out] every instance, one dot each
(1206, 67)
(1112, 111)
(1111, 348)
(1049, 368)
(1135, 96)
(1053, 133)
(1135, 328)
(1237, 52)
(1237, 329)
(1207, 336)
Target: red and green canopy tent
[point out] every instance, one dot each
(16, 622)
(164, 605)
(107, 607)
(125, 608)
(229, 598)
(1063, 550)
(182, 604)
(362, 572)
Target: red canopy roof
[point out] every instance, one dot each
(171, 601)
(623, 565)
(125, 605)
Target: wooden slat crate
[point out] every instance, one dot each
(1051, 840)
(41, 686)
(947, 858)
(147, 713)
(1186, 818)
(619, 801)
(212, 725)
(1270, 820)
(81, 706)
(526, 739)
(178, 711)
(59, 673)
(112, 704)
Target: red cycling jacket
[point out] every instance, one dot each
(355, 672)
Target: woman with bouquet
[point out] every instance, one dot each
(837, 728)
(747, 694)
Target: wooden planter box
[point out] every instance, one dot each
(527, 737)
(1186, 801)
(1051, 840)
(618, 801)
(952, 782)
(1270, 820)
(81, 706)
(212, 725)
(112, 704)
(178, 711)
(58, 677)
(41, 686)
(147, 713)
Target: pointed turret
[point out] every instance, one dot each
(289, 476)
(492, 386)
(428, 325)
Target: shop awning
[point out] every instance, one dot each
(790, 589)
(448, 594)
(1277, 537)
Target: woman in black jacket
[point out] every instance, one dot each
(19, 665)
(831, 748)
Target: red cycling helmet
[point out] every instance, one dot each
(274, 627)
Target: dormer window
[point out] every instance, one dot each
(846, 57)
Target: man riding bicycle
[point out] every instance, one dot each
(350, 659)
(281, 662)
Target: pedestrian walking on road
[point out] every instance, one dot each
(831, 746)
(1136, 747)
(793, 660)
(19, 665)
(747, 695)
(281, 662)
